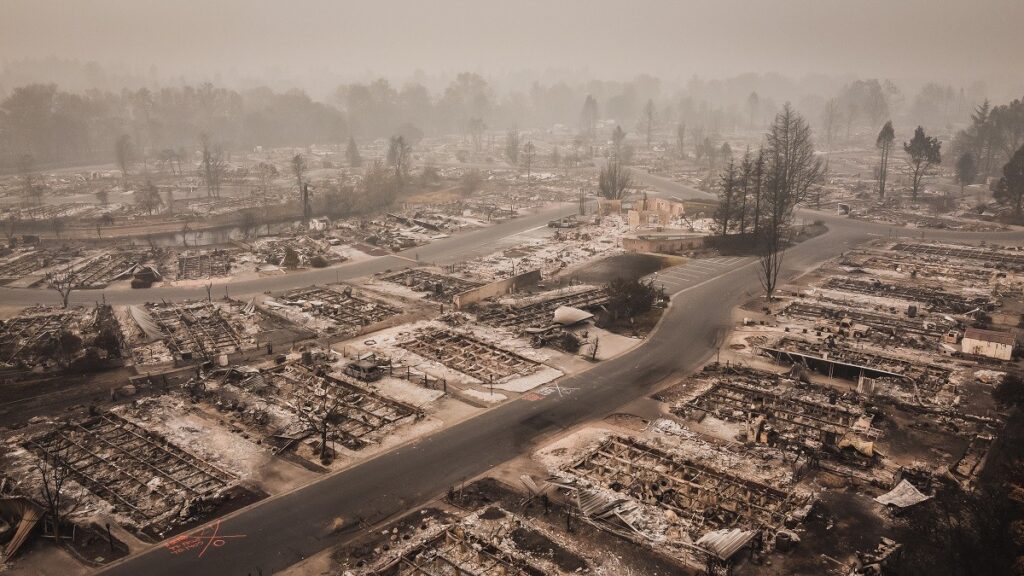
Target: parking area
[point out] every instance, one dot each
(693, 272)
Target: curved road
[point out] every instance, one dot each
(281, 531)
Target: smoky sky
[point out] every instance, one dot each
(947, 40)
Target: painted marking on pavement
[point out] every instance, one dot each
(201, 540)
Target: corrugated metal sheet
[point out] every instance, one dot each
(725, 542)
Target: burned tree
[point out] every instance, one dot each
(477, 127)
(299, 171)
(618, 141)
(830, 125)
(26, 171)
(213, 166)
(588, 118)
(884, 144)
(529, 152)
(512, 146)
(615, 180)
(321, 413)
(124, 151)
(729, 188)
(1010, 188)
(55, 471)
(647, 121)
(630, 297)
(149, 198)
(265, 174)
(923, 152)
(791, 169)
(966, 170)
(753, 107)
(379, 187)
(400, 158)
(470, 182)
(355, 160)
(63, 281)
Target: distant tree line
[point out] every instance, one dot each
(44, 126)
(994, 135)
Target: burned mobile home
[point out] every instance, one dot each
(140, 475)
(334, 311)
(204, 330)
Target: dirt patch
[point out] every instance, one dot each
(627, 421)
(539, 544)
(235, 498)
(841, 524)
(492, 513)
(90, 544)
(640, 327)
(358, 552)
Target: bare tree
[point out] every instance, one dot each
(830, 125)
(379, 187)
(213, 166)
(470, 182)
(400, 158)
(529, 152)
(771, 252)
(63, 281)
(753, 106)
(168, 159)
(55, 472)
(681, 140)
(355, 160)
(615, 180)
(730, 187)
(648, 120)
(320, 413)
(792, 168)
(299, 171)
(265, 174)
(618, 139)
(124, 152)
(923, 152)
(477, 127)
(26, 170)
(884, 144)
(588, 118)
(512, 146)
(149, 198)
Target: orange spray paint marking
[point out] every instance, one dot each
(201, 540)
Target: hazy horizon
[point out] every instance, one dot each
(315, 45)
